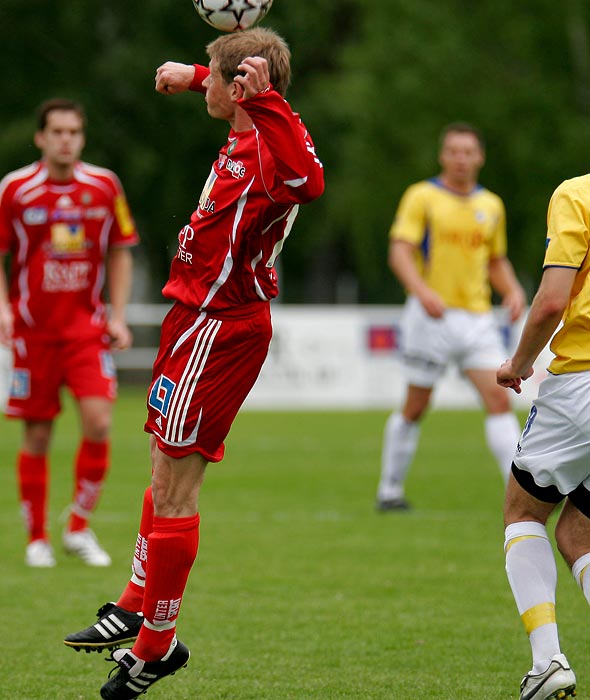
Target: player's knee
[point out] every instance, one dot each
(415, 408)
(413, 415)
(98, 431)
(36, 438)
(498, 402)
(36, 444)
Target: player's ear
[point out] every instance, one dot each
(236, 91)
(39, 140)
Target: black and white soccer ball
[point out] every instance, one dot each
(232, 15)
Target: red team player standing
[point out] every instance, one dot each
(215, 338)
(66, 226)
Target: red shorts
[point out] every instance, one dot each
(205, 369)
(41, 368)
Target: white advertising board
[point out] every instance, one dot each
(347, 357)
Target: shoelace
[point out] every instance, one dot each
(118, 675)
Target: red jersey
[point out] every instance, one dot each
(226, 254)
(58, 234)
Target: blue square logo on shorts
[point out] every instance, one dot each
(21, 384)
(161, 394)
(107, 364)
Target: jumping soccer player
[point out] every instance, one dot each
(215, 338)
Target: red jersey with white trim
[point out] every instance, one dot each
(226, 254)
(58, 234)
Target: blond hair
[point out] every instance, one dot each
(230, 50)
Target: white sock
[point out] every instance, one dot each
(532, 574)
(400, 441)
(502, 435)
(581, 573)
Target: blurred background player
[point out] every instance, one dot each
(214, 339)
(66, 226)
(552, 459)
(448, 245)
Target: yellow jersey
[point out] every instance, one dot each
(568, 242)
(455, 236)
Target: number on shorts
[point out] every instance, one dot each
(529, 421)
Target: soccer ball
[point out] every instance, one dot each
(232, 15)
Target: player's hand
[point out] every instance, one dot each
(515, 303)
(254, 76)
(6, 324)
(507, 377)
(432, 303)
(121, 337)
(172, 77)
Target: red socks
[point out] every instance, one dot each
(132, 597)
(32, 474)
(92, 464)
(173, 546)
(32, 481)
(157, 582)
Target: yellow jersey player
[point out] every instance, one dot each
(448, 249)
(552, 459)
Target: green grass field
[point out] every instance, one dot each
(301, 590)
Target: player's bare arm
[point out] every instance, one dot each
(544, 316)
(254, 76)
(403, 266)
(6, 324)
(503, 280)
(119, 271)
(172, 77)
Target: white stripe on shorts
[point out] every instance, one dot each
(188, 382)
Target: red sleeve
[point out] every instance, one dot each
(289, 143)
(123, 232)
(5, 219)
(201, 72)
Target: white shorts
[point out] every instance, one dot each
(555, 444)
(469, 340)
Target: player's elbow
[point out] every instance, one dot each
(307, 189)
(550, 307)
(315, 190)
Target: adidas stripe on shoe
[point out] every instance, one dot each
(134, 676)
(115, 626)
(84, 545)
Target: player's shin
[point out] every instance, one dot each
(32, 471)
(91, 467)
(532, 573)
(172, 548)
(132, 596)
(400, 441)
(581, 572)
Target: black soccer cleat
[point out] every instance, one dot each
(383, 505)
(134, 676)
(115, 626)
